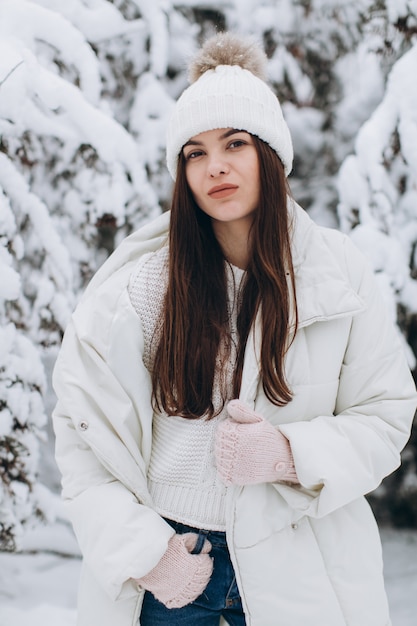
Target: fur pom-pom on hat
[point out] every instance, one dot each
(228, 49)
(228, 91)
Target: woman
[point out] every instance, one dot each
(229, 389)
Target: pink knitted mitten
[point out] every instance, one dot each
(250, 450)
(179, 577)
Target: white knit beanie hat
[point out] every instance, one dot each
(228, 90)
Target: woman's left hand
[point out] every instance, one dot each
(249, 450)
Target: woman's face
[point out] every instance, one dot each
(222, 170)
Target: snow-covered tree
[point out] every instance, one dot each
(71, 180)
(378, 208)
(86, 87)
(22, 384)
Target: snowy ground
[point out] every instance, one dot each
(38, 586)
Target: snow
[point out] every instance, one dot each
(57, 32)
(149, 115)
(361, 79)
(86, 88)
(10, 282)
(38, 586)
(14, 183)
(98, 22)
(398, 107)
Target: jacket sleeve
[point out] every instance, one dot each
(344, 456)
(102, 424)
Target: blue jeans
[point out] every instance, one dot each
(220, 598)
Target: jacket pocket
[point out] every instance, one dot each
(286, 571)
(260, 511)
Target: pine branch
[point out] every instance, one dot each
(10, 73)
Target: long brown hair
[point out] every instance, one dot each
(195, 317)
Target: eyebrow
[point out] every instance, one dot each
(228, 133)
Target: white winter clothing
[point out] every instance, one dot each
(305, 555)
(183, 480)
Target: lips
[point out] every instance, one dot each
(222, 191)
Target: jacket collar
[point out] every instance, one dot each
(322, 287)
(322, 283)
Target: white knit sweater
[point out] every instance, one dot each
(182, 476)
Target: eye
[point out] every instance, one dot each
(237, 143)
(194, 154)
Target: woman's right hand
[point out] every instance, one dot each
(179, 577)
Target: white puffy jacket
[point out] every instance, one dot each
(305, 555)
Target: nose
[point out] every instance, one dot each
(217, 166)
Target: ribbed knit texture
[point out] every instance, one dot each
(229, 97)
(180, 576)
(182, 477)
(250, 450)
